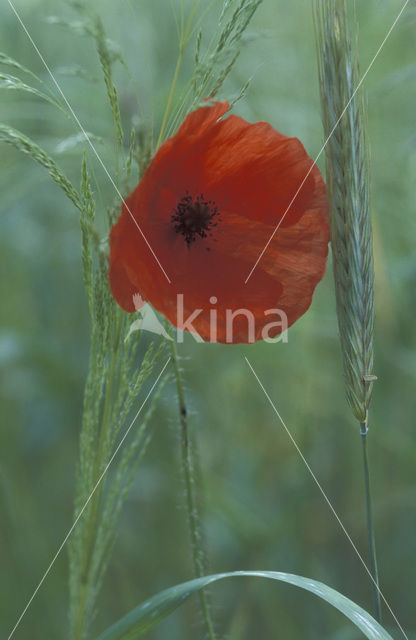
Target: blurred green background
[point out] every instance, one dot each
(261, 507)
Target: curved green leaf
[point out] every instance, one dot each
(148, 614)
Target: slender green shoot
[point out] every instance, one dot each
(198, 555)
(185, 33)
(370, 529)
(212, 67)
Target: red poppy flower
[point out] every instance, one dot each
(207, 205)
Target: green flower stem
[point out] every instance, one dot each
(198, 555)
(371, 539)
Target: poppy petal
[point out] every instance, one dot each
(233, 181)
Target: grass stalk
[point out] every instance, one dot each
(170, 97)
(347, 172)
(184, 35)
(93, 516)
(113, 384)
(198, 555)
(370, 530)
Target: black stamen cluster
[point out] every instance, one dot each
(195, 216)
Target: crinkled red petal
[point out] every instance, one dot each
(252, 172)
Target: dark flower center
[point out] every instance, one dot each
(195, 216)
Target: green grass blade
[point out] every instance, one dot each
(148, 614)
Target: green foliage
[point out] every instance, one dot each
(212, 69)
(214, 66)
(24, 144)
(151, 612)
(113, 385)
(88, 234)
(12, 83)
(10, 62)
(116, 374)
(106, 60)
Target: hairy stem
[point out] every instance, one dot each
(370, 531)
(198, 555)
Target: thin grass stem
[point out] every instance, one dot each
(93, 522)
(370, 530)
(170, 97)
(198, 555)
(184, 39)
